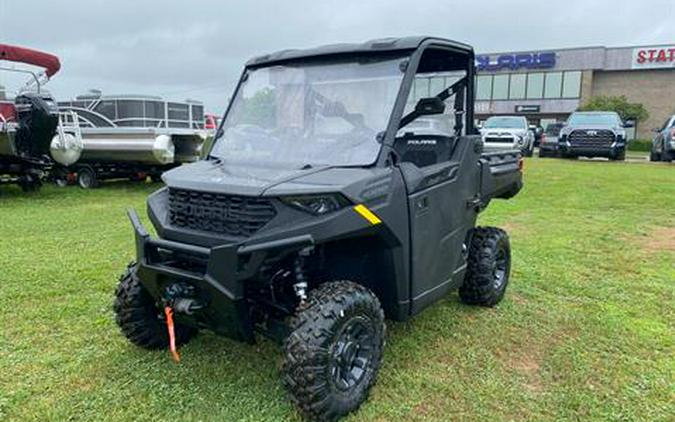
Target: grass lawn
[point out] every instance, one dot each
(586, 331)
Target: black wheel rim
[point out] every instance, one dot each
(352, 353)
(501, 268)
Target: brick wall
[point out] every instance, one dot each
(655, 89)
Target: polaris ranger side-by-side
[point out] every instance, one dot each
(322, 208)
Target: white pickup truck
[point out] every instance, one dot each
(508, 132)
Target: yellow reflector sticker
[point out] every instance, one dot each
(367, 214)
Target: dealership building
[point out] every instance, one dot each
(546, 86)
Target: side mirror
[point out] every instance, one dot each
(628, 124)
(429, 106)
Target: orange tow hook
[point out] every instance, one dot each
(172, 334)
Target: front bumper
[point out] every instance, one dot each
(609, 150)
(217, 275)
(549, 147)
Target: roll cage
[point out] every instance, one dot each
(425, 54)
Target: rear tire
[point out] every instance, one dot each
(489, 267)
(333, 353)
(86, 178)
(139, 318)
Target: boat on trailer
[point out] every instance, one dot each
(132, 136)
(34, 134)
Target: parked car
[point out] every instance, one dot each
(508, 132)
(594, 134)
(538, 132)
(311, 222)
(548, 147)
(663, 144)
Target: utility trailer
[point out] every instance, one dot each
(33, 133)
(322, 208)
(131, 137)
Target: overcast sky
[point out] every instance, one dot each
(195, 49)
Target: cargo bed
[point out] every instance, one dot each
(501, 175)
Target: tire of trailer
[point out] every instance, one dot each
(86, 178)
(30, 183)
(140, 319)
(488, 267)
(334, 350)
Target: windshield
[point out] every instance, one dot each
(583, 119)
(505, 123)
(325, 112)
(553, 129)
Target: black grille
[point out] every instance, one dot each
(591, 138)
(227, 214)
(500, 140)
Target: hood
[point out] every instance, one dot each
(569, 129)
(234, 179)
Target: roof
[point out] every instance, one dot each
(372, 46)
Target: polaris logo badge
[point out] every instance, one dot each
(545, 60)
(422, 142)
(592, 132)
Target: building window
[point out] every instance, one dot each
(535, 86)
(500, 87)
(421, 88)
(436, 85)
(517, 87)
(553, 85)
(571, 85)
(484, 87)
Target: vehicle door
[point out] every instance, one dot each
(438, 161)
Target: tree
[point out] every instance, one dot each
(619, 104)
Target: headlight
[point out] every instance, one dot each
(521, 139)
(317, 204)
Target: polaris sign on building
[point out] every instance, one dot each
(516, 61)
(548, 85)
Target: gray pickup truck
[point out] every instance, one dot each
(593, 134)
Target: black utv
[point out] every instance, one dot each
(342, 188)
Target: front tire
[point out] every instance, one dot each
(653, 155)
(138, 317)
(620, 156)
(489, 267)
(333, 353)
